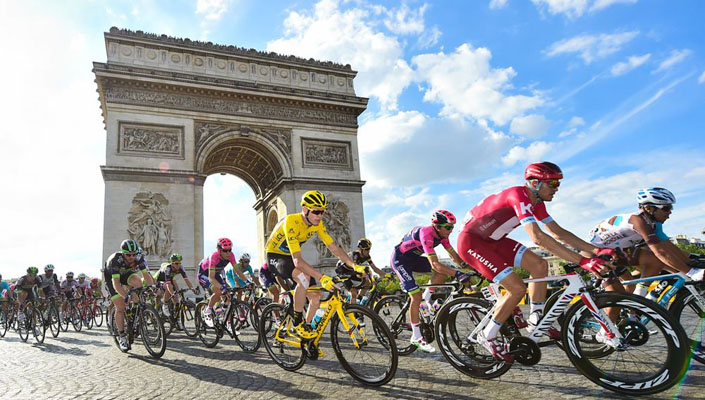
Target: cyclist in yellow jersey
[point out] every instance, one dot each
(284, 256)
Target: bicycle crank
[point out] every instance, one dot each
(525, 350)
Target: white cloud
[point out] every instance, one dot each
(575, 122)
(676, 57)
(497, 4)
(467, 85)
(632, 62)
(592, 47)
(389, 129)
(533, 126)
(406, 21)
(602, 4)
(348, 37)
(212, 10)
(702, 78)
(534, 152)
(576, 8)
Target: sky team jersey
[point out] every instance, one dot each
(499, 214)
(291, 232)
(422, 240)
(217, 263)
(620, 233)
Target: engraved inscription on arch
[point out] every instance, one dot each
(326, 153)
(150, 140)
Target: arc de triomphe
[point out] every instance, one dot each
(177, 111)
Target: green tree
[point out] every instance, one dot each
(691, 248)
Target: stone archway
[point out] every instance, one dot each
(177, 110)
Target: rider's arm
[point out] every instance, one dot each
(439, 266)
(659, 244)
(187, 280)
(148, 277)
(455, 257)
(377, 270)
(541, 239)
(237, 269)
(569, 238)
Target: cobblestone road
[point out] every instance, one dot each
(88, 365)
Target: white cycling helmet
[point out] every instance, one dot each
(81, 276)
(245, 257)
(655, 195)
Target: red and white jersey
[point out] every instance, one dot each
(498, 214)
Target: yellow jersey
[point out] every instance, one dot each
(291, 232)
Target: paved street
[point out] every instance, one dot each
(88, 365)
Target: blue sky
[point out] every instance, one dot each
(462, 96)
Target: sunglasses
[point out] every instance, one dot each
(552, 183)
(176, 263)
(130, 254)
(318, 212)
(664, 207)
(446, 226)
(226, 251)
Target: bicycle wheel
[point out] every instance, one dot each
(98, 316)
(455, 323)
(152, 332)
(25, 326)
(687, 310)
(53, 321)
(390, 310)
(87, 317)
(64, 319)
(244, 328)
(276, 327)
(652, 356)
(259, 306)
(4, 323)
(187, 314)
(167, 322)
(38, 327)
(76, 320)
(368, 353)
(209, 336)
(112, 327)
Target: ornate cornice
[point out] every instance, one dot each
(130, 174)
(228, 50)
(137, 93)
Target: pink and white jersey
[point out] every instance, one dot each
(86, 285)
(67, 285)
(499, 214)
(422, 240)
(217, 263)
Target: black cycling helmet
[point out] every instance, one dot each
(364, 243)
(175, 257)
(129, 246)
(33, 271)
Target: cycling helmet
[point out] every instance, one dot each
(49, 267)
(655, 195)
(81, 276)
(364, 243)
(225, 244)
(314, 199)
(129, 246)
(175, 257)
(543, 170)
(443, 217)
(94, 281)
(69, 275)
(245, 257)
(33, 270)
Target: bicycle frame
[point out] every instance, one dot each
(576, 287)
(682, 280)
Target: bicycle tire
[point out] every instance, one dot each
(244, 330)
(76, 320)
(4, 323)
(455, 321)
(112, 327)
(691, 316)
(271, 331)
(209, 336)
(259, 306)
(24, 326)
(187, 314)
(38, 328)
(662, 331)
(87, 317)
(64, 320)
(368, 342)
(167, 322)
(54, 322)
(98, 316)
(388, 309)
(152, 332)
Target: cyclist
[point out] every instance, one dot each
(415, 253)
(286, 262)
(4, 293)
(269, 282)
(122, 272)
(234, 281)
(210, 274)
(639, 240)
(354, 280)
(84, 286)
(50, 282)
(166, 283)
(26, 288)
(483, 243)
(67, 287)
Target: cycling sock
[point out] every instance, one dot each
(416, 328)
(537, 306)
(641, 290)
(491, 329)
(427, 295)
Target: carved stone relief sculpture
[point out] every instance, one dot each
(149, 223)
(150, 139)
(326, 153)
(337, 223)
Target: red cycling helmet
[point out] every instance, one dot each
(225, 244)
(443, 217)
(542, 171)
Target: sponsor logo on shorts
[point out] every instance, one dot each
(483, 260)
